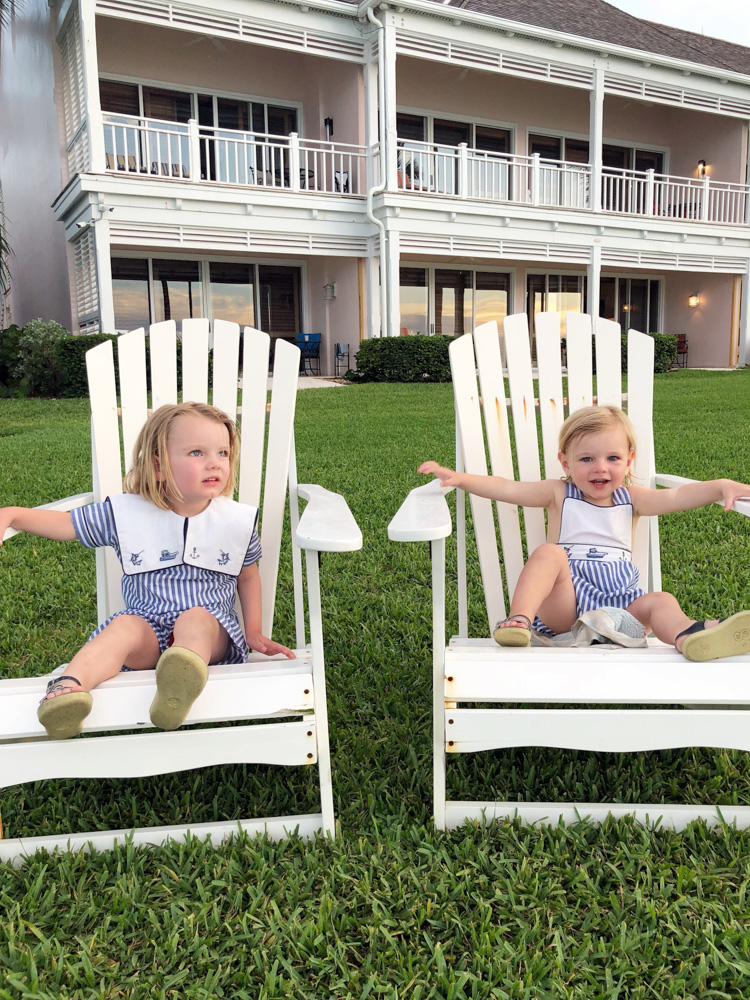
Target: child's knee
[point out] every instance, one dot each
(196, 618)
(549, 552)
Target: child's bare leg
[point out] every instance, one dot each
(544, 587)
(182, 671)
(197, 630)
(127, 641)
(661, 614)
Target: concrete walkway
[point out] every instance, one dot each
(312, 382)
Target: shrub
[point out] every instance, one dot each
(403, 359)
(665, 351)
(37, 357)
(71, 360)
(10, 384)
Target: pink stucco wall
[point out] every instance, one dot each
(708, 326)
(325, 87)
(336, 319)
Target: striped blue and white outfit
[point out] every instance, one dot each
(598, 542)
(172, 563)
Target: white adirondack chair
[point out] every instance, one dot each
(263, 688)
(476, 671)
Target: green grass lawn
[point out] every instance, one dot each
(392, 909)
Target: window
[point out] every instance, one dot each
(561, 293)
(434, 142)
(632, 302)
(232, 292)
(130, 293)
(177, 290)
(449, 302)
(247, 293)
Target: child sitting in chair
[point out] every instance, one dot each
(591, 514)
(186, 550)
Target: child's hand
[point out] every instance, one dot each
(447, 477)
(731, 491)
(268, 647)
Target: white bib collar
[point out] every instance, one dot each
(150, 538)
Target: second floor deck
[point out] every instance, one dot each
(187, 152)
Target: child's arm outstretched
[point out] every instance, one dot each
(541, 494)
(55, 524)
(249, 589)
(689, 496)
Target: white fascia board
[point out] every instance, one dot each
(597, 48)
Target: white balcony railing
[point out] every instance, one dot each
(461, 172)
(250, 159)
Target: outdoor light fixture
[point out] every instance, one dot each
(694, 299)
(329, 291)
(328, 122)
(701, 168)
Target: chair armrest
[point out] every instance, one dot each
(424, 515)
(69, 503)
(672, 482)
(326, 524)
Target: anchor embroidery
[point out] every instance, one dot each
(195, 553)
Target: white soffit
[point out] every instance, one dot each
(664, 93)
(242, 27)
(244, 241)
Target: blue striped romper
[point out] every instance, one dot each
(598, 542)
(161, 595)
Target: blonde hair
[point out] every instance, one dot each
(592, 420)
(152, 444)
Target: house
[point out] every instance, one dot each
(375, 168)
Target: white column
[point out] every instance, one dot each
(593, 278)
(371, 114)
(389, 64)
(596, 138)
(104, 276)
(372, 281)
(744, 340)
(393, 258)
(90, 70)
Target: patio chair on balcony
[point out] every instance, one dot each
(309, 345)
(341, 177)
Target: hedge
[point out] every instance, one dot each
(403, 359)
(665, 351)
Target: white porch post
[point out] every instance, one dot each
(389, 66)
(104, 276)
(372, 281)
(593, 278)
(90, 70)
(371, 116)
(744, 340)
(596, 138)
(393, 258)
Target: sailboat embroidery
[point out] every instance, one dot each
(167, 556)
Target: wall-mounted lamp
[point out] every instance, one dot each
(328, 122)
(694, 299)
(701, 168)
(329, 291)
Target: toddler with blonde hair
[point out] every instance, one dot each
(586, 562)
(186, 548)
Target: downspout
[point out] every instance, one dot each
(377, 189)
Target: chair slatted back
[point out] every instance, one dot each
(113, 439)
(489, 428)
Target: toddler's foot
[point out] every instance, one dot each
(513, 631)
(63, 708)
(728, 637)
(181, 675)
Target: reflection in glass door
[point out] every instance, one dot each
(279, 301)
(450, 302)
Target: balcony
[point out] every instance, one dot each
(189, 152)
(509, 179)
